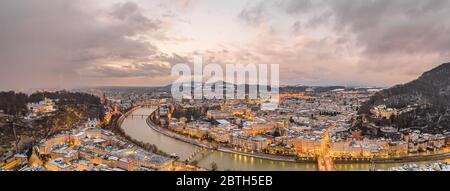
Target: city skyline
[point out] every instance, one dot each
(65, 44)
(233, 86)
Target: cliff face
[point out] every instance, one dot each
(427, 99)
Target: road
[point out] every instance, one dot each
(324, 160)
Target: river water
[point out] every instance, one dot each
(137, 128)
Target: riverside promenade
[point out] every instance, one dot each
(198, 143)
(403, 159)
(391, 160)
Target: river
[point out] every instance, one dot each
(137, 128)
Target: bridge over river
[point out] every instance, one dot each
(137, 128)
(324, 160)
(198, 154)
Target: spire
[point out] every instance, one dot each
(34, 160)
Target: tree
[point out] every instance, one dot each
(194, 163)
(291, 120)
(13, 103)
(214, 166)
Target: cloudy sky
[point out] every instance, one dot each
(70, 43)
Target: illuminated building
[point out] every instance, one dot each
(45, 106)
(249, 143)
(34, 160)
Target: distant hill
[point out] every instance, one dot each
(13, 103)
(222, 85)
(432, 89)
(429, 95)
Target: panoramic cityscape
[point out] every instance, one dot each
(192, 85)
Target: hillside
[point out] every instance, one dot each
(422, 103)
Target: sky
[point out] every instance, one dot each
(73, 43)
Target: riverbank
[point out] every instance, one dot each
(117, 129)
(418, 158)
(138, 129)
(224, 149)
(405, 159)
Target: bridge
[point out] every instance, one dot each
(324, 160)
(109, 115)
(198, 154)
(138, 116)
(325, 163)
(129, 112)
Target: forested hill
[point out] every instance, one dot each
(15, 103)
(423, 103)
(431, 89)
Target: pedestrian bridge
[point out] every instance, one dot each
(198, 154)
(134, 108)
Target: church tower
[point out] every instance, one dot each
(34, 160)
